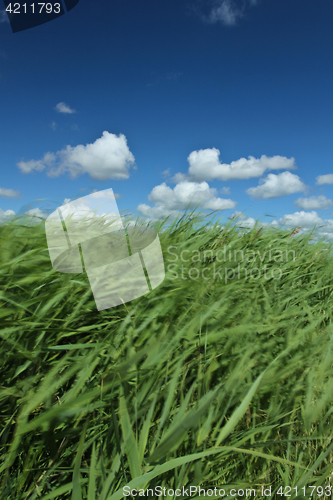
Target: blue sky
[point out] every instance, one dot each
(171, 103)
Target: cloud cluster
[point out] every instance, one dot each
(314, 203)
(274, 186)
(305, 221)
(36, 212)
(6, 215)
(157, 212)
(185, 195)
(107, 158)
(204, 165)
(192, 188)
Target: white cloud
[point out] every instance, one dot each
(219, 204)
(9, 193)
(157, 212)
(36, 212)
(107, 158)
(248, 223)
(178, 178)
(227, 13)
(77, 210)
(205, 165)
(274, 186)
(188, 195)
(53, 126)
(237, 215)
(324, 179)
(6, 214)
(304, 219)
(314, 203)
(185, 195)
(61, 107)
(28, 166)
(225, 190)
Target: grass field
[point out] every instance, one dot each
(215, 379)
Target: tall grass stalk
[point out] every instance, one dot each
(204, 381)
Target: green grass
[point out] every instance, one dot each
(223, 383)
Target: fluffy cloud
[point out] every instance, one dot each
(238, 215)
(248, 223)
(33, 213)
(324, 179)
(9, 193)
(28, 166)
(303, 219)
(36, 212)
(188, 195)
(185, 195)
(314, 203)
(107, 158)
(244, 222)
(99, 205)
(205, 166)
(6, 215)
(77, 210)
(158, 212)
(61, 107)
(274, 186)
(306, 221)
(227, 13)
